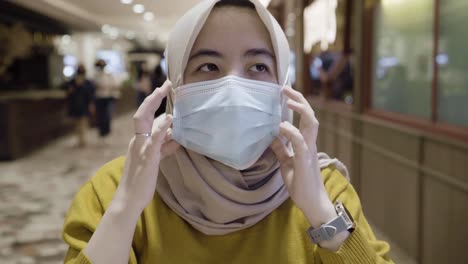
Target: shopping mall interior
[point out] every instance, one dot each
(386, 79)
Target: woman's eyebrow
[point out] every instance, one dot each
(260, 51)
(205, 52)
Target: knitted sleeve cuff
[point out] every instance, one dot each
(356, 249)
(82, 259)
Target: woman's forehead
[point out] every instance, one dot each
(233, 28)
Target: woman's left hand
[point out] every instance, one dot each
(300, 169)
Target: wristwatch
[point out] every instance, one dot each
(342, 222)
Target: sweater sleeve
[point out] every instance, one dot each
(361, 246)
(81, 221)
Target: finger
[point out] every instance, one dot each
(298, 103)
(308, 122)
(161, 129)
(280, 150)
(144, 116)
(153, 101)
(151, 146)
(168, 136)
(158, 137)
(297, 107)
(144, 150)
(169, 148)
(297, 140)
(294, 95)
(286, 159)
(136, 147)
(131, 151)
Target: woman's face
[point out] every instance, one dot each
(233, 41)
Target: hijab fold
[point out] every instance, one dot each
(214, 198)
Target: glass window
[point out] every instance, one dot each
(403, 54)
(452, 60)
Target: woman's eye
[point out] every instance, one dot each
(259, 68)
(208, 67)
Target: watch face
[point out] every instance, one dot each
(341, 209)
(348, 220)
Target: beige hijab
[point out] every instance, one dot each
(213, 198)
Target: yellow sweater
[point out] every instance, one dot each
(162, 237)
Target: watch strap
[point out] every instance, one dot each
(329, 230)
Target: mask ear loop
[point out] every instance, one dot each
(289, 112)
(171, 96)
(283, 98)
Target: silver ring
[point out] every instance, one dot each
(143, 134)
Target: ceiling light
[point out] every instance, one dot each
(138, 8)
(68, 71)
(126, 2)
(148, 16)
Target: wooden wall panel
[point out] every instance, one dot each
(327, 133)
(390, 197)
(445, 236)
(413, 187)
(445, 203)
(345, 143)
(437, 156)
(458, 240)
(435, 212)
(320, 114)
(344, 151)
(405, 145)
(459, 168)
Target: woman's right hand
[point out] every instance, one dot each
(138, 183)
(111, 242)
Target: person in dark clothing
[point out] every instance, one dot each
(142, 84)
(157, 81)
(107, 91)
(80, 102)
(336, 74)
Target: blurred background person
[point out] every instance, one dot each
(107, 91)
(142, 83)
(157, 80)
(80, 103)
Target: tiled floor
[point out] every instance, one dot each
(35, 193)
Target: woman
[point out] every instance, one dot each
(142, 84)
(107, 92)
(80, 103)
(157, 80)
(233, 192)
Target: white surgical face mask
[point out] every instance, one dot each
(232, 120)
